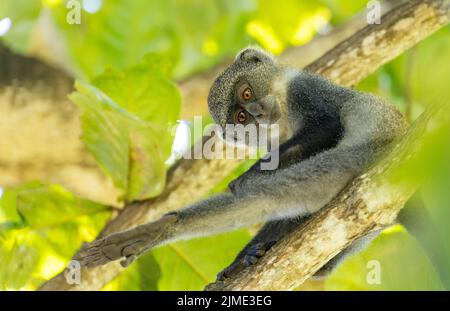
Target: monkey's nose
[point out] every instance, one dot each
(256, 109)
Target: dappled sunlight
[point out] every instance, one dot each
(264, 34)
(5, 25)
(310, 25)
(50, 266)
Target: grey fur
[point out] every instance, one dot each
(330, 134)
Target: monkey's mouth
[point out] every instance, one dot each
(266, 110)
(261, 136)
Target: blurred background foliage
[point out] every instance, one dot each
(126, 55)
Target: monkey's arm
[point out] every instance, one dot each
(215, 214)
(298, 190)
(309, 141)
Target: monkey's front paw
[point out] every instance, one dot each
(250, 257)
(111, 248)
(129, 244)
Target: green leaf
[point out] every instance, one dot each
(143, 90)
(190, 265)
(52, 205)
(54, 224)
(147, 155)
(105, 132)
(143, 274)
(123, 31)
(403, 266)
(8, 211)
(118, 35)
(125, 122)
(19, 258)
(437, 200)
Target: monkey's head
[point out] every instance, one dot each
(242, 94)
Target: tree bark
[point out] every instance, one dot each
(347, 63)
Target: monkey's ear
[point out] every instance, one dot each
(254, 55)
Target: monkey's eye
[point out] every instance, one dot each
(246, 92)
(240, 116)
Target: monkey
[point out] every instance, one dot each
(328, 135)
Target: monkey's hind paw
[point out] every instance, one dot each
(250, 257)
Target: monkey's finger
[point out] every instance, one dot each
(98, 262)
(90, 253)
(96, 243)
(112, 251)
(232, 270)
(90, 249)
(87, 259)
(257, 252)
(83, 255)
(84, 246)
(250, 260)
(128, 261)
(132, 249)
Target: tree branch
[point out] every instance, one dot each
(347, 63)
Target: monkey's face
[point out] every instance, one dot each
(241, 100)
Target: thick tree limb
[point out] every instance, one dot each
(347, 63)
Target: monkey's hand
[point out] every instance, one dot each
(129, 244)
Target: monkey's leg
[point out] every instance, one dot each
(268, 236)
